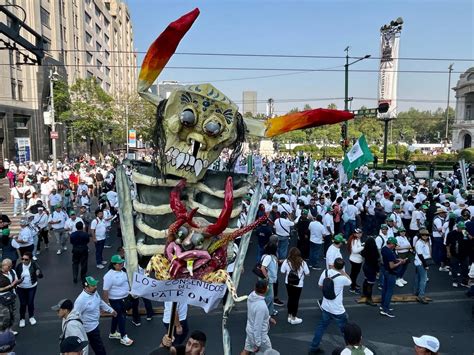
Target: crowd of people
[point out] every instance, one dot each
(370, 229)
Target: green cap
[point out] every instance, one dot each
(384, 226)
(339, 238)
(372, 194)
(116, 259)
(72, 213)
(392, 240)
(461, 225)
(424, 207)
(6, 231)
(402, 229)
(90, 281)
(305, 211)
(396, 207)
(328, 209)
(389, 219)
(58, 206)
(452, 215)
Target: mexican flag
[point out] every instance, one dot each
(358, 155)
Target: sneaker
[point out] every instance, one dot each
(399, 283)
(370, 303)
(381, 308)
(379, 287)
(445, 268)
(100, 266)
(115, 335)
(296, 321)
(278, 302)
(455, 284)
(387, 314)
(136, 324)
(289, 320)
(58, 252)
(104, 262)
(22, 323)
(14, 332)
(404, 281)
(46, 246)
(126, 341)
(38, 252)
(107, 246)
(421, 300)
(149, 318)
(32, 321)
(316, 268)
(64, 248)
(450, 273)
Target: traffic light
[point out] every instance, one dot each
(343, 130)
(383, 107)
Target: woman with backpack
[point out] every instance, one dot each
(295, 269)
(370, 268)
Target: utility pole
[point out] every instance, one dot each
(52, 79)
(450, 68)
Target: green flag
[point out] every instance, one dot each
(359, 155)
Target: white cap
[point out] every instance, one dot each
(428, 342)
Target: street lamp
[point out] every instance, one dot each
(53, 76)
(346, 95)
(450, 68)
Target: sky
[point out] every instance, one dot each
(442, 29)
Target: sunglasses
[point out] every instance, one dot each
(24, 259)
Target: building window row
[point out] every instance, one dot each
(45, 17)
(17, 89)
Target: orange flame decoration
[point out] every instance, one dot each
(305, 119)
(164, 47)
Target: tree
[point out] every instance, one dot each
(92, 113)
(141, 117)
(62, 100)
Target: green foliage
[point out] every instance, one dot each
(466, 154)
(141, 117)
(62, 100)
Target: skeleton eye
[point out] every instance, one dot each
(212, 128)
(182, 232)
(188, 118)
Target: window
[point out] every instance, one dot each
(64, 34)
(11, 58)
(20, 121)
(107, 71)
(13, 87)
(88, 38)
(107, 87)
(88, 18)
(76, 42)
(89, 58)
(46, 43)
(89, 74)
(20, 90)
(99, 64)
(17, 60)
(45, 18)
(107, 55)
(106, 38)
(98, 30)
(107, 23)
(97, 12)
(98, 47)
(469, 114)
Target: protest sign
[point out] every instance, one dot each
(188, 291)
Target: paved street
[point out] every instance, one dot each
(449, 317)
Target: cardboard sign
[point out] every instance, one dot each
(189, 291)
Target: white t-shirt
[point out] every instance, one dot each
(317, 231)
(113, 199)
(356, 249)
(181, 309)
(347, 351)
(71, 225)
(56, 216)
(438, 227)
(416, 215)
(332, 254)
(55, 199)
(350, 212)
(422, 248)
(334, 306)
(282, 227)
(303, 270)
(100, 227)
(116, 282)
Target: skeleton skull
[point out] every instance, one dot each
(199, 122)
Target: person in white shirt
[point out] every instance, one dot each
(98, 230)
(334, 251)
(41, 220)
(403, 249)
(439, 248)
(116, 290)
(26, 237)
(17, 198)
(57, 220)
(417, 220)
(349, 216)
(70, 225)
(422, 262)
(316, 240)
(408, 208)
(355, 247)
(54, 199)
(332, 309)
(282, 230)
(328, 223)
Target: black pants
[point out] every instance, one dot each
(355, 269)
(294, 294)
(23, 250)
(95, 341)
(43, 236)
(136, 312)
(79, 257)
(27, 299)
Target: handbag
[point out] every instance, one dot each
(257, 270)
(7, 299)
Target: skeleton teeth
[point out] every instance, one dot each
(175, 153)
(191, 161)
(188, 168)
(169, 151)
(173, 162)
(198, 166)
(168, 158)
(205, 164)
(186, 159)
(180, 160)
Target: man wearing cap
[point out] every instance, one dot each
(57, 220)
(71, 222)
(458, 246)
(73, 345)
(88, 305)
(439, 249)
(54, 199)
(71, 322)
(426, 345)
(390, 268)
(334, 251)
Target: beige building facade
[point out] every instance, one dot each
(82, 38)
(463, 126)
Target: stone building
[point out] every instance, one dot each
(463, 126)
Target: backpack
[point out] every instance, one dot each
(63, 335)
(328, 286)
(293, 277)
(356, 351)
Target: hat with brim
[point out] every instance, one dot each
(428, 342)
(440, 210)
(383, 226)
(116, 259)
(402, 229)
(58, 206)
(392, 240)
(339, 238)
(90, 281)
(72, 213)
(461, 225)
(424, 232)
(424, 207)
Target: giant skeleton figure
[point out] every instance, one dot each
(186, 216)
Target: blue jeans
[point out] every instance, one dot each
(315, 251)
(349, 227)
(420, 280)
(99, 248)
(269, 299)
(18, 205)
(439, 251)
(387, 290)
(340, 319)
(283, 243)
(119, 320)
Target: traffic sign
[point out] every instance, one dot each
(54, 135)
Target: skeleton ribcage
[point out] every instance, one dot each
(153, 212)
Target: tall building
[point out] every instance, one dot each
(463, 126)
(82, 38)
(249, 99)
